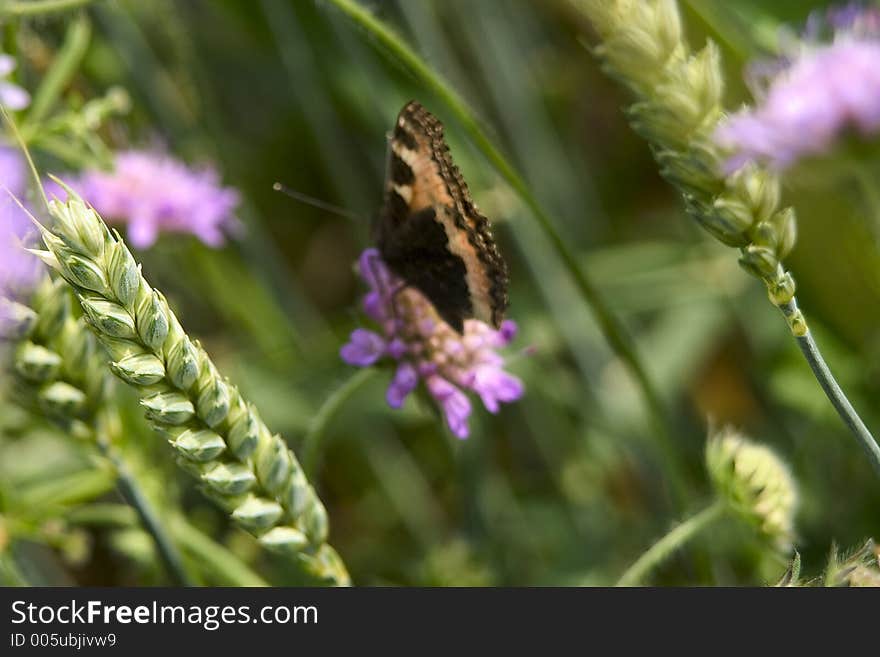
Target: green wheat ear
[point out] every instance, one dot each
(218, 435)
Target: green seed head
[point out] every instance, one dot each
(199, 445)
(229, 478)
(286, 540)
(258, 514)
(36, 363)
(139, 369)
(168, 408)
(16, 320)
(125, 278)
(153, 322)
(84, 273)
(755, 483)
(60, 399)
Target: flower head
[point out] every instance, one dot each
(426, 349)
(755, 483)
(11, 95)
(819, 90)
(154, 193)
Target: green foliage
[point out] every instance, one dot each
(568, 486)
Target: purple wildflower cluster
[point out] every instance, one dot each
(152, 193)
(816, 92)
(427, 349)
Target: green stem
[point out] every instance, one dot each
(676, 538)
(211, 558)
(223, 563)
(37, 7)
(833, 391)
(10, 574)
(65, 65)
(311, 445)
(134, 495)
(611, 326)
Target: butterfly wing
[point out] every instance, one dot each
(430, 232)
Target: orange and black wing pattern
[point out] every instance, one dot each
(431, 233)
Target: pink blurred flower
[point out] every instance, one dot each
(153, 193)
(11, 95)
(813, 95)
(19, 270)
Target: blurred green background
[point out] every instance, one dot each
(567, 486)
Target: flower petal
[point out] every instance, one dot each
(456, 406)
(7, 64)
(494, 385)
(363, 348)
(406, 378)
(13, 96)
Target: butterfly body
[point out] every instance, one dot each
(430, 233)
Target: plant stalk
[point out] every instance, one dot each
(833, 391)
(676, 538)
(311, 445)
(134, 496)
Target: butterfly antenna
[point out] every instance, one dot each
(317, 203)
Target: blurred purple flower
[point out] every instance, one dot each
(11, 95)
(19, 270)
(154, 193)
(427, 349)
(813, 94)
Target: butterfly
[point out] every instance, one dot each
(430, 233)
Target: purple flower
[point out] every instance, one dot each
(19, 270)
(154, 193)
(11, 95)
(427, 349)
(813, 94)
